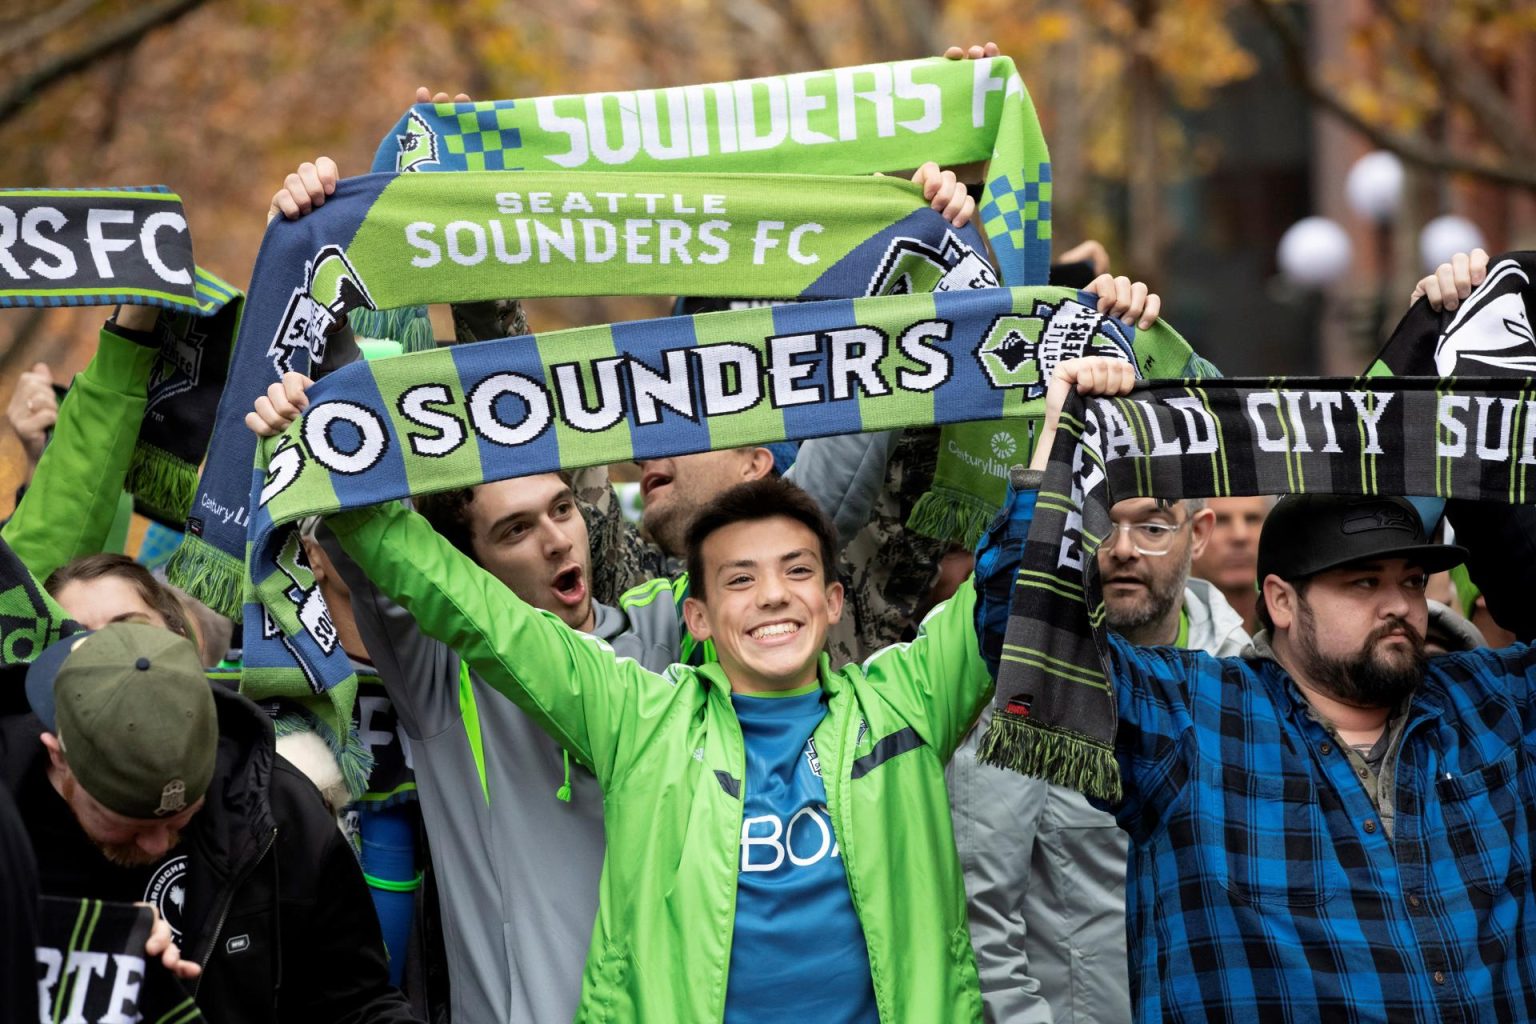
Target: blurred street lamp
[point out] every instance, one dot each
(1374, 189)
(1374, 186)
(1445, 236)
(1314, 252)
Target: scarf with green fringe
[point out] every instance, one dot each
(461, 416)
(131, 246)
(184, 389)
(1055, 713)
(854, 120)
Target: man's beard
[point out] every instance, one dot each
(1365, 679)
(124, 855)
(130, 856)
(667, 526)
(1128, 618)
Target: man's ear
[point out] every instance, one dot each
(695, 616)
(318, 563)
(759, 464)
(55, 750)
(834, 603)
(1200, 526)
(1280, 598)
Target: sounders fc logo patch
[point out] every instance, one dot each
(1023, 351)
(418, 145)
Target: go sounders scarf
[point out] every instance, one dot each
(131, 246)
(464, 415)
(856, 120)
(1055, 713)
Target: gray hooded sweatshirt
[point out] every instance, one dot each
(1045, 873)
(517, 866)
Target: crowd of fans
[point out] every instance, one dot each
(713, 765)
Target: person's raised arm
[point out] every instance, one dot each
(69, 507)
(596, 705)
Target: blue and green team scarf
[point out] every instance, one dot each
(856, 120)
(131, 246)
(464, 415)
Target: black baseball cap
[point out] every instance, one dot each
(1306, 534)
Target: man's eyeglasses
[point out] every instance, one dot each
(1150, 539)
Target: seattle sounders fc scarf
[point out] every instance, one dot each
(859, 120)
(856, 120)
(387, 241)
(131, 246)
(1055, 712)
(464, 415)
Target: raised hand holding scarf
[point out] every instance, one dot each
(131, 246)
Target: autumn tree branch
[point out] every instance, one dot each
(124, 32)
(1469, 84)
(1414, 149)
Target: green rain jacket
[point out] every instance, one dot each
(668, 752)
(73, 498)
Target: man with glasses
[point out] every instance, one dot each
(1044, 871)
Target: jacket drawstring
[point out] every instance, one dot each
(564, 792)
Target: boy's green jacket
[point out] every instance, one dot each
(668, 752)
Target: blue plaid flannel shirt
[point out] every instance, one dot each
(1261, 884)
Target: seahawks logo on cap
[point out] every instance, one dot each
(1380, 517)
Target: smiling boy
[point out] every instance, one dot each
(779, 832)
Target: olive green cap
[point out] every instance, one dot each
(134, 713)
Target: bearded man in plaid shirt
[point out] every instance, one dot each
(1331, 826)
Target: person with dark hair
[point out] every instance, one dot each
(1332, 825)
(1230, 559)
(139, 781)
(759, 809)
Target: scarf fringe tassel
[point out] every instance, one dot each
(210, 575)
(949, 515)
(161, 484)
(351, 755)
(1058, 758)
